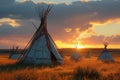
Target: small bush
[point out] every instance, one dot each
(86, 74)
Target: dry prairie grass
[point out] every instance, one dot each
(67, 71)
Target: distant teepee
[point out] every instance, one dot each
(88, 55)
(75, 56)
(105, 55)
(14, 53)
(42, 49)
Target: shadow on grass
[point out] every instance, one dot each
(86, 74)
(19, 66)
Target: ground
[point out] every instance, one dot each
(66, 71)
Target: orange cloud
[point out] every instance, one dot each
(9, 21)
(84, 0)
(87, 33)
(61, 44)
(68, 29)
(108, 28)
(77, 30)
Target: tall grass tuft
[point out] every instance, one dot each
(86, 74)
(115, 76)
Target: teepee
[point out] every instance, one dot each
(105, 55)
(14, 53)
(41, 49)
(75, 55)
(88, 55)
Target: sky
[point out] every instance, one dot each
(53, 1)
(87, 22)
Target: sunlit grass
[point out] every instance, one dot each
(84, 69)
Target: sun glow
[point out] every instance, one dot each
(61, 44)
(79, 46)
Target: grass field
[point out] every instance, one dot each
(84, 69)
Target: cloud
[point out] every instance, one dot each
(99, 40)
(109, 28)
(63, 44)
(7, 2)
(25, 29)
(17, 10)
(68, 29)
(9, 21)
(77, 12)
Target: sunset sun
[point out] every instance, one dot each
(79, 46)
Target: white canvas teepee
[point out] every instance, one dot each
(14, 53)
(105, 55)
(42, 49)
